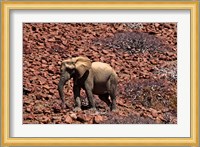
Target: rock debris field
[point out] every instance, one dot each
(144, 56)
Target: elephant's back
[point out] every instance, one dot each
(102, 71)
(101, 67)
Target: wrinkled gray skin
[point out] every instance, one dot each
(95, 78)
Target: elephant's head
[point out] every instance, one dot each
(72, 67)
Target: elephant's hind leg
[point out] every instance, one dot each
(76, 90)
(104, 97)
(113, 90)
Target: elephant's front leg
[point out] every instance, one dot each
(76, 90)
(88, 89)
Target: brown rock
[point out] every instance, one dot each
(98, 119)
(57, 119)
(46, 86)
(56, 108)
(28, 116)
(33, 78)
(44, 61)
(40, 96)
(47, 111)
(44, 65)
(73, 116)
(82, 118)
(51, 40)
(105, 51)
(68, 119)
(28, 109)
(165, 110)
(166, 25)
(45, 119)
(161, 117)
(52, 69)
(158, 121)
(38, 109)
(42, 80)
(157, 25)
(51, 91)
(154, 113)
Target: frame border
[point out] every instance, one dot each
(5, 109)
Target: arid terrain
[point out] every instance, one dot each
(144, 56)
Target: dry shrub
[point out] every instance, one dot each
(136, 42)
(155, 93)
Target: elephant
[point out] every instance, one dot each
(94, 77)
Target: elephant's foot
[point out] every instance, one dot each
(114, 110)
(77, 109)
(93, 109)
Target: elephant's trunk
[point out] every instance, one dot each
(60, 90)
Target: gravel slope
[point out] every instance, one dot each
(144, 55)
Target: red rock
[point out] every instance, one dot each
(98, 119)
(54, 77)
(73, 116)
(51, 91)
(28, 116)
(51, 40)
(47, 111)
(56, 57)
(38, 109)
(42, 80)
(165, 110)
(40, 96)
(52, 69)
(56, 108)
(82, 117)
(154, 113)
(105, 51)
(158, 121)
(46, 86)
(45, 119)
(28, 109)
(157, 24)
(68, 119)
(44, 61)
(57, 119)
(161, 117)
(167, 26)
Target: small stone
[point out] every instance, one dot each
(98, 119)
(81, 117)
(44, 61)
(56, 108)
(28, 109)
(42, 80)
(45, 119)
(158, 121)
(73, 116)
(154, 113)
(105, 51)
(68, 119)
(52, 69)
(157, 24)
(46, 86)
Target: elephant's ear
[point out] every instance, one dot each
(68, 64)
(82, 65)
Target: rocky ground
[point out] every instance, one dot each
(144, 55)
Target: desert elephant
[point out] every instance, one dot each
(94, 77)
